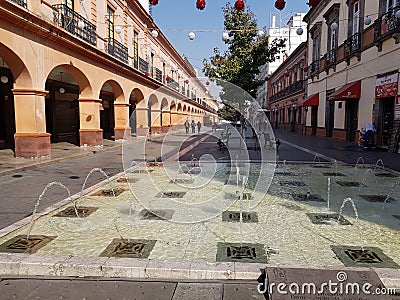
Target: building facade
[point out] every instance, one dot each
(289, 32)
(286, 92)
(353, 70)
(84, 71)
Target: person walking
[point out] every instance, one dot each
(198, 126)
(193, 126)
(187, 125)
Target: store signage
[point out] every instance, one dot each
(386, 86)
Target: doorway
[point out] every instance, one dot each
(387, 119)
(107, 116)
(314, 119)
(132, 117)
(7, 113)
(329, 118)
(351, 120)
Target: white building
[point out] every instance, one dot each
(285, 30)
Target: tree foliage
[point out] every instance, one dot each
(239, 64)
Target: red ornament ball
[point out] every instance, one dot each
(153, 2)
(207, 82)
(239, 5)
(313, 3)
(266, 78)
(201, 4)
(167, 78)
(287, 74)
(305, 69)
(280, 4)
(328, 62)
(146, 74)
(186, 81)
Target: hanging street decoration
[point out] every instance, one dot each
(280, 4)
(200, 4)
(153, 2)
(207, 82)
(239, 5)
(313, 3)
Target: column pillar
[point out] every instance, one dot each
(142, 128)
(155, 121)
(166, 121)
(31, 138)
(90, 133)
(122, 131)
(174, 119)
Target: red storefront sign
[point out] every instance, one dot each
(386, 86)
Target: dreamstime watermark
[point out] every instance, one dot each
(331, 287)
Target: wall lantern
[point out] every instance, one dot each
(4, 79)
(61, 89)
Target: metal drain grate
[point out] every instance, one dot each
(154, 164)
(232, 196)
(128, 180)
(388, 175)
(109, 192)
(308, 197)
(182, 180)
(171, 194)
(74, 177)
(236, 252)
(160, 214)
(20, 244)
(292, 183)
(141, 171)
(333, 174)
(132, 249)
(350, 183)
(328, 219)
(234, 216)
(377, 198)
(82, 211)
(352, 256)
(285, 174)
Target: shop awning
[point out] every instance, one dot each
(312, 100)
(347, 92)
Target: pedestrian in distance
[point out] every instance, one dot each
(193, 126)
(267, 140)
(198, 126)
(187, 125)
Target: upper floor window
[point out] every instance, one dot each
(135, 49)
(69, 4)
(110, 22)
(315, 33)
(356, 18)
(332, 17)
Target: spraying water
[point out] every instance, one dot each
(316, 157)
(54, 183)
(335, 167)
(329, 193)
(244, 183)
(355, 214)
(379, 162)
(362, 182)
(87, 177)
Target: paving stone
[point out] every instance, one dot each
(195, 291)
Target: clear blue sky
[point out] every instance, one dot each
(177, 17)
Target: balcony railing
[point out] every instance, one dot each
(21, 3)
(117, 50)
(136, 62)
(331, 58)
(158, 75)
(387, 25)
(352, 45)
(143, 65)
(296, 87)
(74, 23)
(173, 84)
(314, 67)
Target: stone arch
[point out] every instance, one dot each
(165, 115)
(21, 75)
(136, 98)
(153, 114)
(113, 111)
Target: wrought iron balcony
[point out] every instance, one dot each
(314, 67)
(117, 50)
(387, 26)
(143, 65)
(136, 62)
(158, 75)
(330, 58)
(352, 45)
(21, 3)
(173, 84)
(74, 23)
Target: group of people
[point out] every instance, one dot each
(192, 125)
